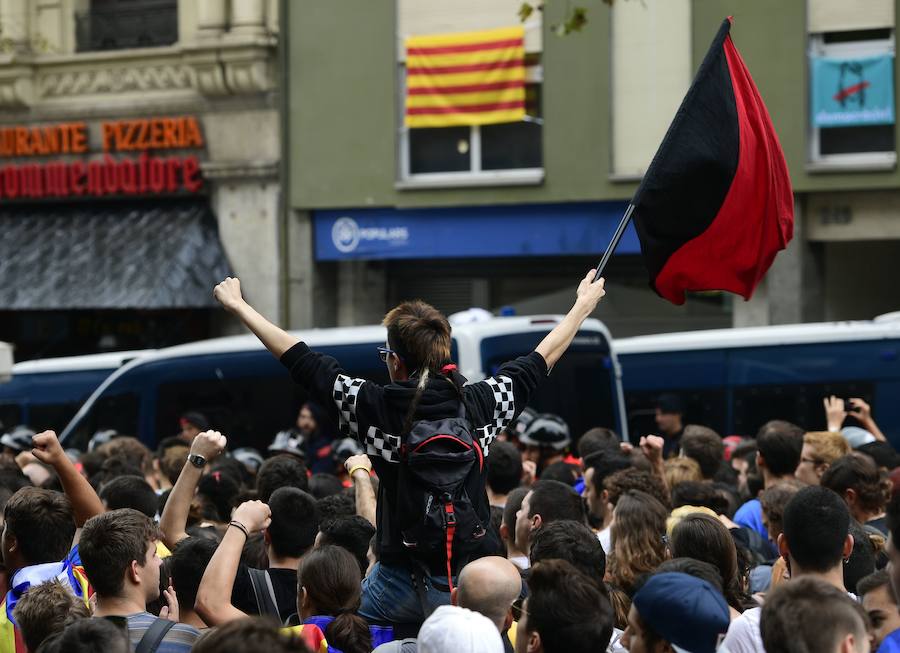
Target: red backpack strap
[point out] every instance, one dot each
(451, 531)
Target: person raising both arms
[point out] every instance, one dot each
(426, 396)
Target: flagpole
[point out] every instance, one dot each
(620, 230)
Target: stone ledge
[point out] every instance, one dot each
(224, 67)
(223, 171)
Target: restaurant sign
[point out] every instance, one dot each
(142, 170)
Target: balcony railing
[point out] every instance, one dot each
(117, 26)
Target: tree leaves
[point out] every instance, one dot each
(574, 20)
(526, 10)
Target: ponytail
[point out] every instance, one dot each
(349, 633)
(420, 390)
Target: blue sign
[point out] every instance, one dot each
(471, 232)
(852, 92)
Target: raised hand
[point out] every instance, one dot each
(208, 444)
(860, 410)
(590, 292)
(834, 412)
(47, 448)
(529, 472)
(255, 516)
(359, 462)
(170, 610)
(652, 446)
(228, 294)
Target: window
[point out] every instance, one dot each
(509, 153)
(52, 416)
(121, 24)
(797, 403)
(119, 412)
(585, 371)
(707, 406)
(852, 98)
(10, 415)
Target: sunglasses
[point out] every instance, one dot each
(384, 352)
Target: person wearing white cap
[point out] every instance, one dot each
(451, 629)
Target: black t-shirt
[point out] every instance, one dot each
(284, 583)
(672, 444)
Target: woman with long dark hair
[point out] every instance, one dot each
(702, 537)
(638, 538)
(328, 595)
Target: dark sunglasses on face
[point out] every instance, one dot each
(384, 352)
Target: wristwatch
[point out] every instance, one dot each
(197, 460)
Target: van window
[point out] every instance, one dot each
(248, 410)
(797, 403)
(580, 389)
(118, 412)
(705, 406)
(10, 416)
(51, 416)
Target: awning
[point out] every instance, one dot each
(136, 255)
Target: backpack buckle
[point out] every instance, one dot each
(449, 513)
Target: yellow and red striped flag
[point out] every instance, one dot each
(468, 78)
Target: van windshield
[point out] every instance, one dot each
(118, 412)
(580, 389)
(248, 395)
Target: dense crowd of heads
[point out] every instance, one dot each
(781, 542)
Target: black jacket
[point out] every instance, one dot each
(374, 415)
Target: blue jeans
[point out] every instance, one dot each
(389, 596)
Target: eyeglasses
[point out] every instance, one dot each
(812, 461)
(384, 352)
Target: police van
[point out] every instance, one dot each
(249, 395)
(47, 393)
(735, 380)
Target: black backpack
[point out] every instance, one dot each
(440, 477)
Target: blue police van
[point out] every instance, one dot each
(248, 395)
(47, 393)
(734, 380)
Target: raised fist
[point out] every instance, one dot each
(228, 294)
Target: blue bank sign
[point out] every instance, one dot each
(347, 236)
(852, 92)
(471, 232)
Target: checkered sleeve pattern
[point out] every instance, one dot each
(346, 392)
(379, 443)
(504, 410)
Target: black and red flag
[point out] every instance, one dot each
(716, 204)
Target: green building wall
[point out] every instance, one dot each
(344, 107)
(344, 112)
(771, 37)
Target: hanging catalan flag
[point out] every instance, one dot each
(470, 78)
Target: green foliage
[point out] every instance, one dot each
(574, 20)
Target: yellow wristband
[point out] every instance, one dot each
(357, 468)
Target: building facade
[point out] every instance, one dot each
(508, 217)
(139, 163)
(841, 264)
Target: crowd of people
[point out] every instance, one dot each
(436, 515)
